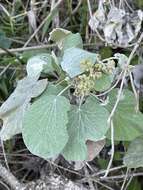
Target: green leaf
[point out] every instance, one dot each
(58, 34)
(72, 40)
(4, 41)
(127, 123)
(39, 63)
(13, 109)
(66, 39)
(12, 122)
(134, 155)
(103, 83)
(26, 55)
(122, 60)
(72, 59)
(88, 122)
(47, 118)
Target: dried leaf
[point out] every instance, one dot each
(32, 19)
(98, 19)
(119, 27)
(94, 148)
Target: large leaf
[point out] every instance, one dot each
(58, 35)
(93, 150)
(12, 122)
(65, 39)
(72, 59)
(89, 122)
(127, 123)
(39, 63)
(13, 109)
(72, 40)
(134, 155)
(26, 55)
(47, 118)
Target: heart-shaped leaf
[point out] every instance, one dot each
(72, 40)
(65, 39)
(88, 122)
(47, 117)
(13, 109)
(39, 63)
(134, 155)
(72, 59)
(127, 123)
(58, 34)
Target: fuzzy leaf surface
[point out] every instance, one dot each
(134, 155)
(127, 123)
(13, 109)
(89, 122)
(72, 59)
(39, 63)
(44, 127)
(103, 83)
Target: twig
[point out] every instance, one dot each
(112, 87)
(43, 22)
(43, 46)
(135, 92)
(72, 14)
(66, 88)
(103, 184)
(4, 69)
(9, 178)
(89, 8)
(28, 48)
(125, 179)
(90, 14)
(112, 149)
(128, 183)
(124, 75)
(3, 184)
(11, 54)
(121, 176)
(111, 170)
(121, 86)
(4, 155)
(90, 182)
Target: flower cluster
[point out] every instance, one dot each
(83, 85)
(86, 82)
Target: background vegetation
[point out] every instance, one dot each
(24, 32)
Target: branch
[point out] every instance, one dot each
(44, 21)
(15, 50)
(120, 92)
(9, 178)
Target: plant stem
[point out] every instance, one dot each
(43, 22)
